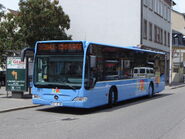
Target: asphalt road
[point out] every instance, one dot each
(162, 117)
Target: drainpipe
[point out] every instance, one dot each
(170, 68)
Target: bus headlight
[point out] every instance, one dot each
(36, 96)
(80, 99)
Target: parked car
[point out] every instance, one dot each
(143, 72)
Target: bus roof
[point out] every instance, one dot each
(134, 48)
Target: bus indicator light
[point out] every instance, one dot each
(55, 90)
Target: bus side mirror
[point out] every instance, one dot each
(92, 61)
(91, 83)
(25, 52)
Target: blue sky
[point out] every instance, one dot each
(13, 4)
(180, 6)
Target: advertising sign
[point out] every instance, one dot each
(16, 74)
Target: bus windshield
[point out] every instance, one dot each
(58, 70)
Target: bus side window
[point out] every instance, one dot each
(148, 71)
(142, 70)
(151, 71)
(135, 70)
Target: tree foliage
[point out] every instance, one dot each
(36, 20)
(42, 20)
(10, 37)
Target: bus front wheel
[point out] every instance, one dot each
(112, 97)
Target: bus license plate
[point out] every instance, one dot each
(57, 104)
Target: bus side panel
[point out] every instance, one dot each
(98, 95)
(159, 86)
(126, 89)
(142, 87)
(131, 88)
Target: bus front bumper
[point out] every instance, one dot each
(78, 102)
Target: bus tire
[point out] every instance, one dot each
(112, 97)
(150, 90)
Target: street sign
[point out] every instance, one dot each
(16, 80)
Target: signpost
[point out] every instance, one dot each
(16, 76)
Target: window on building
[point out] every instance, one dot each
(153, 4)
(150, 31)
(184, 57)
(161, 40)
(150, 4)
(169, 14)
(176, 69)
(165, 38)
(168, 39)
(162, 6)
(164, 11)
(175, 41)
(145, 2)
(159, 11)
(155, 33)
(158, 35)
(145, 29)
(156, 6)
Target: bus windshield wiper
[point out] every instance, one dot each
(56, 85)
(65, 83)
(45, 84)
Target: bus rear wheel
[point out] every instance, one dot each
(112, 97)
(150, 91)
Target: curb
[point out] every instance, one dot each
(19, 108)
(178, 86)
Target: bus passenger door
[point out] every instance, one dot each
(96, 89)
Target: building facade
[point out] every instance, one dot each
(178, 43)
(144, 23)
(156, 16)
(178, 22)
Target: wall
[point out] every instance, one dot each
(178, 22)
(158, 13)
(105, 21)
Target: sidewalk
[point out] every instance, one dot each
(175, 85)
(11, 104)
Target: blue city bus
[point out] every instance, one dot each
(85, 74)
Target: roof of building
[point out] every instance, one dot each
(170, 2)
(13, 12)
(183, 14)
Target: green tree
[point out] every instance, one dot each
(42, 20)
(1, 15)
(36, 20)
(10, 37)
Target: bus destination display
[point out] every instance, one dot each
(59, 47)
